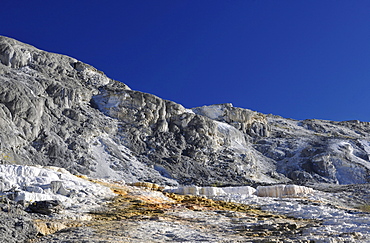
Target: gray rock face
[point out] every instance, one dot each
(181, 144)
(250, 122)
(45, 207)
(17, 225)
(56, 110)
(319, 151)
(46, 116)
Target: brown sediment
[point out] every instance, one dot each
(128, 214)
(134, 207)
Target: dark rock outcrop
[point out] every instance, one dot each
(45, 207)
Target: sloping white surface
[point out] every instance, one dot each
(232, 136)
(212, 111)
(32, 183)
(115, 161)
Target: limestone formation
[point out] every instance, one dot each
(283, 191)
(210, 191)
(46, 228)
(247, 121)
(58, 111)
(261, 191)
(198, 191)
(59, 117)
(242, 190)
(47, 191)
(16, 225)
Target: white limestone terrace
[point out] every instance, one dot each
(36, 183)
(261, 191)
(335, 223)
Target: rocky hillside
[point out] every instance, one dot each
(56, 110)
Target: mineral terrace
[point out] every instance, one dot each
(83, 158)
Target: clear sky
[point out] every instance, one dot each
(298, 59)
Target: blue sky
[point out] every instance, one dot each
(298, 59)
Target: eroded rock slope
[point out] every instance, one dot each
(56, 110)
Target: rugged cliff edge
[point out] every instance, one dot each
(56, 110)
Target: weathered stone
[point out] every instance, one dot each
(244, 190)
(45, 207)
(58, 111)
(57, 187)
(283, 191)
(46, 228)
(16, 228)
(198, 191)
(148, 185)
(250, 122)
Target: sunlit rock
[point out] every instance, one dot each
(248, 121)
(283, 191)
(197, 191)
(243, 190)
(31, 184)
(57, 111)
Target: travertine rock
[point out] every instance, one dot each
(16, 227)
(261, 191)
(250, 122)
(211, 191)
(31, 184)
(148, 185)
(243, 190)
(198, 191)
(46, 116)
(46, 228)
(283, 191)
(58, 111)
